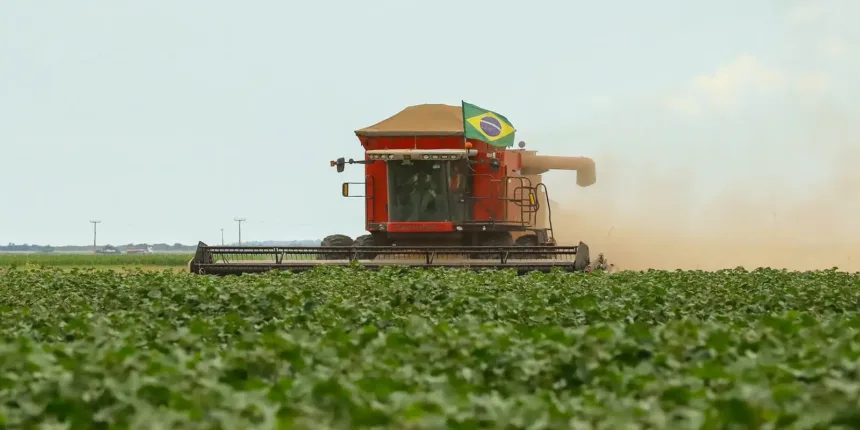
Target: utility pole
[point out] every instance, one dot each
(240, 220)
(94, 234)
(222, 237)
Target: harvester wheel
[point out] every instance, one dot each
(496, 238)
(335, 240)
(529, 240)
(366, 240)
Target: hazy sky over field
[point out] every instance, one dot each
(166, 119)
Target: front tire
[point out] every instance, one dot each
(335, 241)
(366, 240)
(529, 240)
(499, 239)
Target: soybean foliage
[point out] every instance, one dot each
(346, 348)
(89, 260)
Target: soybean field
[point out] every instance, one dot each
(340, 348)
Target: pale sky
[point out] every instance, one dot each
(165, 119)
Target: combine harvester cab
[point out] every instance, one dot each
(442, 188)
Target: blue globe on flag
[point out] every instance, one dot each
(491, 126)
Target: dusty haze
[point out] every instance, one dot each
(770, 187)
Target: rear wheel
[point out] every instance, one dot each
(335, 241)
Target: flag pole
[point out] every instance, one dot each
(463, 114)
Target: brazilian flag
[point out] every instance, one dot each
(488, 126)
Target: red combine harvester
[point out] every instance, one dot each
(439, 191)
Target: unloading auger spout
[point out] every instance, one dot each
(586, 174)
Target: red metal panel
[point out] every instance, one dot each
(421, 142)
(376, 209)
(486, 183)
(376, 176)
(420, 227)
(377, 173)
(513, 159)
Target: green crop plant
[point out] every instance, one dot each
(408, 349)
(83, 260)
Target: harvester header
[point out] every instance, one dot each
(442, 187)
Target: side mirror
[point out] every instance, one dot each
(340, 162)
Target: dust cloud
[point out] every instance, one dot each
(786, 196)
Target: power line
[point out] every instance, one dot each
(240, 220)
(94, 222)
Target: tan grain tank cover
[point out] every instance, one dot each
(419, 120)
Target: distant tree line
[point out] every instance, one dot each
(26, 247)
(156, 247)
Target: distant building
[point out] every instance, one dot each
(108, 249)
(139, 250)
